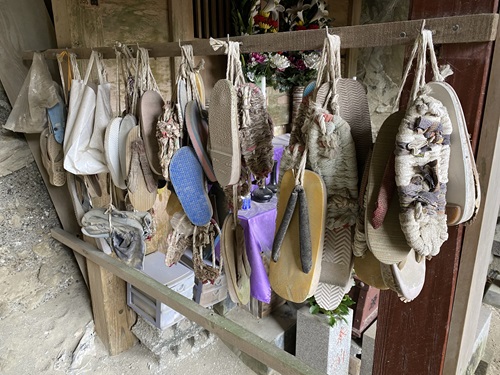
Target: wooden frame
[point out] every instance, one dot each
(457, 29)
(225, 329)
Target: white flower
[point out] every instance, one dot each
(299, 7)
(311, 60)
(251, 76)
(279, 62)
(273, 7)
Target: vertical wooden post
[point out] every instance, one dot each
(478, 238)
(181, 22)
(412, 338)
(112, 317)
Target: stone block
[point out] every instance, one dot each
(368, 350)
(354, 365)
(278, 328)
(173, 343)
(322, 346)
(492, 296)
(483, 328)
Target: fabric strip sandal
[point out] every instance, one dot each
(366, 266)
(387, 241)
(188, 180)
(224, 138)
(112, 154)
(463, 188)
(422, 158)
(52, 158)
(141, 185)
(406, 278)
(286, 273)
(150, 109)
(198, 138)
(237, 267)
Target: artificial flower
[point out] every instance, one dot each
(279, 62)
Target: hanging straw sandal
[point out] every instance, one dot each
(422, 159)
(204, 236)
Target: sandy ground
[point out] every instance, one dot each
(44, 304)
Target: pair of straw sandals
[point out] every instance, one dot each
(423, 156)
(392, 237)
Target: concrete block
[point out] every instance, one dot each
(492, 296)
(173, 343)
(483, 328)
(368, 350)
(321, 346)
(278, 328)
(354, 365)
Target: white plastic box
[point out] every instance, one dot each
(178, 277)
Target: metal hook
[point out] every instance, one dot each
(180, 44)
(228, 38)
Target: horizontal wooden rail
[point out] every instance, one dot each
(225, 329)
(457, 29)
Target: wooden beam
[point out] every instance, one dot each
(457, 29)
(225, 329)
(62, 23)
(478, 238)
(181, 22)
(413, 338)
(60, 198)
(113, 318)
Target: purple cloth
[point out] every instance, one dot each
(278, 153)
(259, 225)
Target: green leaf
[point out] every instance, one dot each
(314, 309)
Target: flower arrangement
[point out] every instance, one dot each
(288, 69)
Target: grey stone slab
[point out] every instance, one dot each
(278, 328)
(483, 328)
(368, 350)
(321, 346)
(492, 296)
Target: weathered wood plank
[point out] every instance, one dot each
(227, 330)
(478, 238)
(457, 29)
(61, 199)
(113, 318)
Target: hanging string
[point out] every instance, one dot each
(329, 69)
(234, 70)
(118, 66)
(423, 42)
